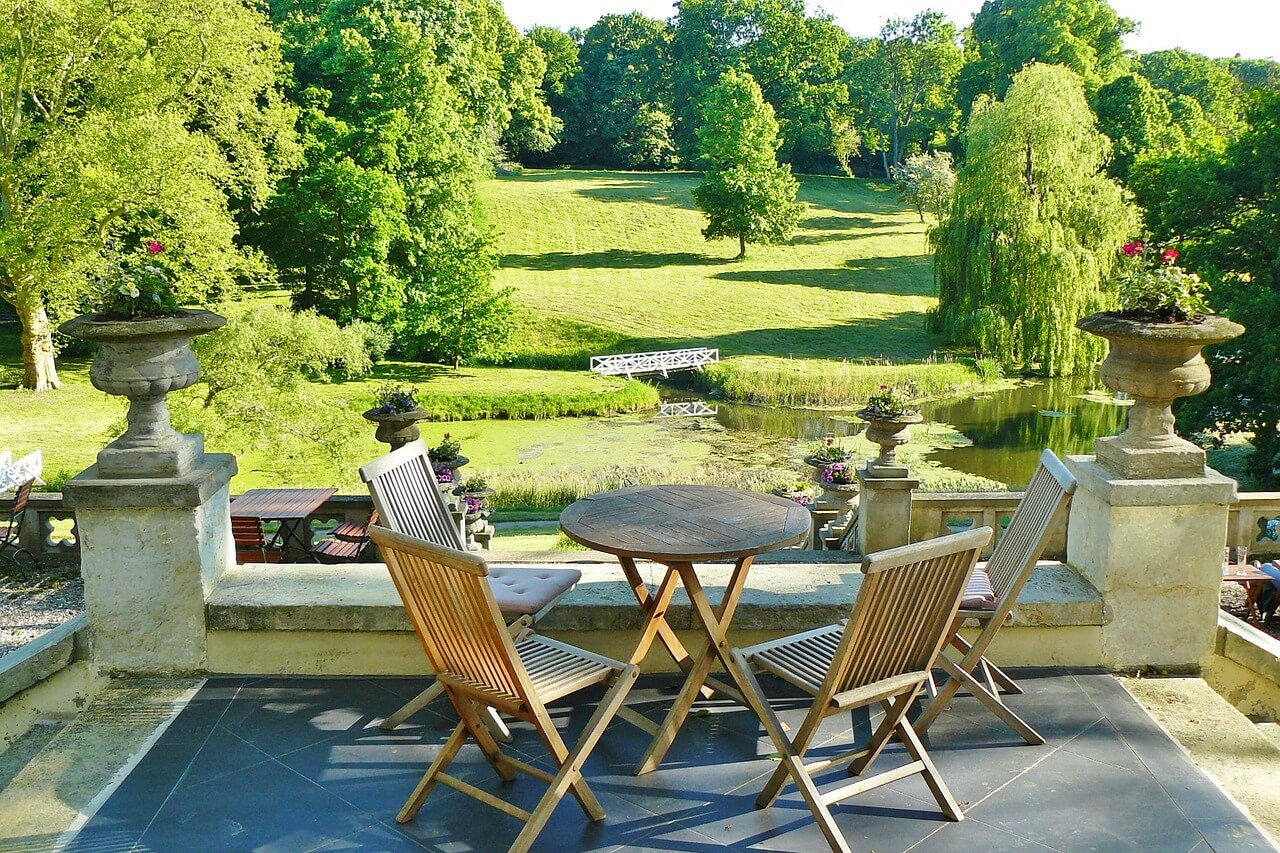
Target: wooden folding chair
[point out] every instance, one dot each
(407, 500)
(11, 529)
(251, 541)
(883, 653)
(478, 664)
(1006, 573)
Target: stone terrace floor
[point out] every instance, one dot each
(297, 764)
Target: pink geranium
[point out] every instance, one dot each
(155, 247)
(1169, 256)
(1134, 248)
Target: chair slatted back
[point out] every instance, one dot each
(407, 499)
(452, 608)
(1015, 556)
(21, 498)
(247, 532)
(908, 599)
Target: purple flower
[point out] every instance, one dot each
(474, 505)
(443, 474)
(802, 500)
(839, 474)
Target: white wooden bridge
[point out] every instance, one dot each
(630, 364)
(686, 409)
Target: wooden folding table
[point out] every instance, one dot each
(676, 526)
(290, 507)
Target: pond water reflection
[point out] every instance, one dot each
(1007, 428)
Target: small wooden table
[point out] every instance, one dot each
(674, 526)
(290, 507)
(1253, 580)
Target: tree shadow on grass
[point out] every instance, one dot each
(895, 275)
(844, 223)
(401, 373)
(608, 259)
(886, 230)
(898, 336)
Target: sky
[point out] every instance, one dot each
(1250, 28)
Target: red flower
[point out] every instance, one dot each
(1134, 248)
(155, 247)
(884, 387)
(1169, 256)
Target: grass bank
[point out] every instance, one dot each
(814, 383)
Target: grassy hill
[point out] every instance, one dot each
(616, 260)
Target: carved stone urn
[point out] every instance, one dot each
(398, 428)
(1155, 364)
(889, 434)
(144, 360)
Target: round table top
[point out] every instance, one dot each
(685, 523)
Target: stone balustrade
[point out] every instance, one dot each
(1253, 522)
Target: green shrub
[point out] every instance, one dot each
(377, 340)
(634, 396)
(524, 490)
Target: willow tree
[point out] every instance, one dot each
(1034, 228)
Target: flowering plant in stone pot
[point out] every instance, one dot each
(1154, 356)
(474, 506)
(825, 451)
(396, 412)
(888, 404)
(796, 490)
(477, 486)
(839, 474)
(444, 476)
(144, 352)
(448, 453)
(1153, 287)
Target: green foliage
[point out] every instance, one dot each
(904, 81)
(123, 121)
(927, 181)
(524, 490)
(449, 448)
(1034, 230)
(1160, 287)
(402, 105)
(1201, 79)
(377, 340)
(256, 388)
(615, 105)
(1231, 231)
(745, 193)
(889, 402)
(1254, 73)
(1006, 35)
(810, 383)
(1138, 120)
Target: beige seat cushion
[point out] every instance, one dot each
(522, 592)
(979, 594)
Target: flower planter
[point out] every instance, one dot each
(889, 434)
(396, 429)
(452, 464)
(796, 496)
(821, 464)
(1155, 364)
(144, 360)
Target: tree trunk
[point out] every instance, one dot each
(884, 160)
(742, 247)
(39, 371)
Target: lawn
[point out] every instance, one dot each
(616, 260)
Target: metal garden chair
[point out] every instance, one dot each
(478, 663)
(407, 500)
(1007, 572)
(882, 654)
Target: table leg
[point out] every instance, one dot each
(655, 627)
(715, 622)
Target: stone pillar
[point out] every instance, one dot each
(884, 509)
(1153, 548)
(150, 551)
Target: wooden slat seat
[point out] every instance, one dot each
(10, 529)
(802, 659)
(557, 669)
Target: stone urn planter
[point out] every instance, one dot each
(889, 434)
(398, 428)
(837, 497)
(452, 464)
(797, 496)
(1155, 364)
(144, 360)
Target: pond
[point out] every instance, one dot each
(1005, 429)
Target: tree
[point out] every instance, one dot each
(1084, 35)
(1137, 119)
(927, 181)
(745, 193)
(912, 73)
(122, 122)
(1034, 228)
(1223, 210)
(402, 106)
(257, 388)
(1180, 72)
(616, 111)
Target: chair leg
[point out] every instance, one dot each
(1002, 678)
(413, 706)
(492, 753)
(932, 778)
(423, 789)
(1012, 720)
(570, 775)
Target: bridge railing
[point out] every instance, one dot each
(631, 363)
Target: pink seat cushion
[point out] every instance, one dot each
(521, 592)
(979, 594)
